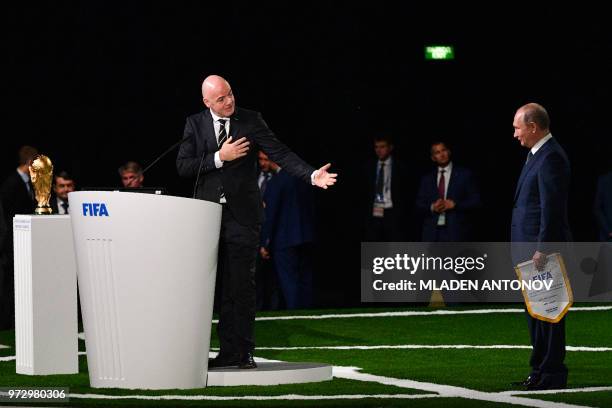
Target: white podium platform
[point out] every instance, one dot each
(270, 373)
(45, 295)
(146, 272)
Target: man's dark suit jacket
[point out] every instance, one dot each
(237, 178)
(53, 204)
(539, 217)
(603, 206)
(16, 200)
(289, 212)
(15, 197)
(463, 190)
(402, 194)
(540, 202)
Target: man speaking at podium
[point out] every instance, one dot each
(220, 150)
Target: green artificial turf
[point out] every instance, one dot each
(489, 370)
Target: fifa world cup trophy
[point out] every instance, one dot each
(41, 174)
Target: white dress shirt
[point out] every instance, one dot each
(540, 143)
(26, 179)
(447, 175)
(217, 126)
(387, 202)
(60, 207)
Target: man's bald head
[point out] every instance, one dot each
(212, 83)
(535, 113)
(530, 124)
(217, 95)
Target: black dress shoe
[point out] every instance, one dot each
(223, 361)
(247, 362)
(548, 384)
(530, 381)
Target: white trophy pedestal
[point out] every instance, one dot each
(45, 295)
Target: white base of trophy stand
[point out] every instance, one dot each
(270, 373)
(45, 295)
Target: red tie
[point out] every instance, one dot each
(441, 185)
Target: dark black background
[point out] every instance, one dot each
(95, 84)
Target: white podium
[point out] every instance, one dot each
(146, 272)
(45, 295)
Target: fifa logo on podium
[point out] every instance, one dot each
(95, 210)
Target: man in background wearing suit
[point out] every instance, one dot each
(266, 282)
(287, 235)
(63, 183)
(603, 207)
(387, 208)
(220, 150)
(539, 217)
(16, 190)
(17, 194)
(447, 199)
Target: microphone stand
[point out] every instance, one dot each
(161, 156)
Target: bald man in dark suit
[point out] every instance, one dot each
(221, 145)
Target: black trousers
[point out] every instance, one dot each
(389, 228)
(238, 247)
(294, 268)
(266, 284)
(548, 354)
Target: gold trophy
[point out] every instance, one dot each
(41, 174)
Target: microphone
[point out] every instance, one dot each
(161, 156)
(195, 185)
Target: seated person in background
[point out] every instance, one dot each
(131, 174)
(63, 184)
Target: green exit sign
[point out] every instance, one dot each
(439, 52)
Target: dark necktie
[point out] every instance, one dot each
(222, 133)
(380, 181)
(529, 157)
(441, 184)
(264, 182)
(65, 206)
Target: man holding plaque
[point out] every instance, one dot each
(539, 216)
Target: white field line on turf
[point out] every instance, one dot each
(428, 346)
(285, 397)
(2, 346)
(352, 373)
(447, 391)
(255, 397)
(417, 313)
(564, 391)
(407, 313)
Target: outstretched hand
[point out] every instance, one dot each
(324, 179)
